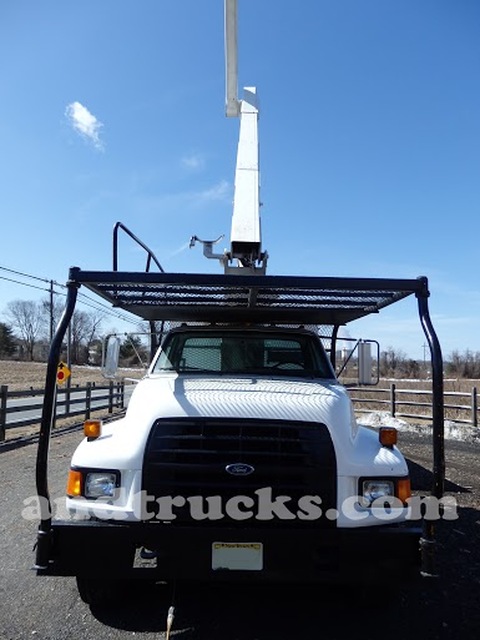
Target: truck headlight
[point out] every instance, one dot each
(373, 489)
(100, 484)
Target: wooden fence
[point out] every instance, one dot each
(71, 401)
(459, 406)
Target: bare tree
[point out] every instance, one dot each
(392, 362)
(84, 328)
(27, 320)
(464, 365)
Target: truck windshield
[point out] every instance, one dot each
(244, 353)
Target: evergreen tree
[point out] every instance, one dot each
(7, 341)
(132, 351)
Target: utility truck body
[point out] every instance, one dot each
(239, 456)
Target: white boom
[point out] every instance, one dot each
(245, 235)
(231, 59)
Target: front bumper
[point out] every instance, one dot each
(94, 549)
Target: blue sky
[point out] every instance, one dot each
(369, 143)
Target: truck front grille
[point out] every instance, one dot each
(189, 457)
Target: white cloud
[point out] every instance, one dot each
(194, 161)
(85, 123)
(182, 202)
(219, 191)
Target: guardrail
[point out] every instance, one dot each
(70, 401)
(459, 406)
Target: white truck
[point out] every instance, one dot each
(239, 456)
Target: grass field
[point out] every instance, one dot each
(25, 375)
(20, 376)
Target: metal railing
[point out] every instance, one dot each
(70, 402)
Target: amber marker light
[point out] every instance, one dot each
(74, 483)
(404, 490)
(92, 429)
(388, 436)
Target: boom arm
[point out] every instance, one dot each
(245, 235)
(232, 105)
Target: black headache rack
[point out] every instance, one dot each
(252, 298)
(242, 298)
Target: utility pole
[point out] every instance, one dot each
(52, 327)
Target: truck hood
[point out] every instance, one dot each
(122, 444)
(236, 397)
(186, 396)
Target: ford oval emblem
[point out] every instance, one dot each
(239, 469)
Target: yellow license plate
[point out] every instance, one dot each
(237, 556)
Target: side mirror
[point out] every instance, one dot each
(110, 356)
(365, 362)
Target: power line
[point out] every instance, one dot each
(25, 284)
(103, 307)
(98, 306)
(24, 275)
(93, 304)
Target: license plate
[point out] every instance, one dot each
(237, 556)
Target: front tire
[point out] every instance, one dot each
(101, 592)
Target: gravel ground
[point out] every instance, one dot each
(445, 607)
(437, 608)
(448, 607)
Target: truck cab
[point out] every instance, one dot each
(240, 416)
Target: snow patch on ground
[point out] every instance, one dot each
(453, 430)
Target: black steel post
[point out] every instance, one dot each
(48, 416)
(393, 399)
(474, 407)
(3, 411)
(154, 341)
(121, 391)
(333, 345)
(437, 396)
(88, 400)
(110, 396)
(428, 540)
